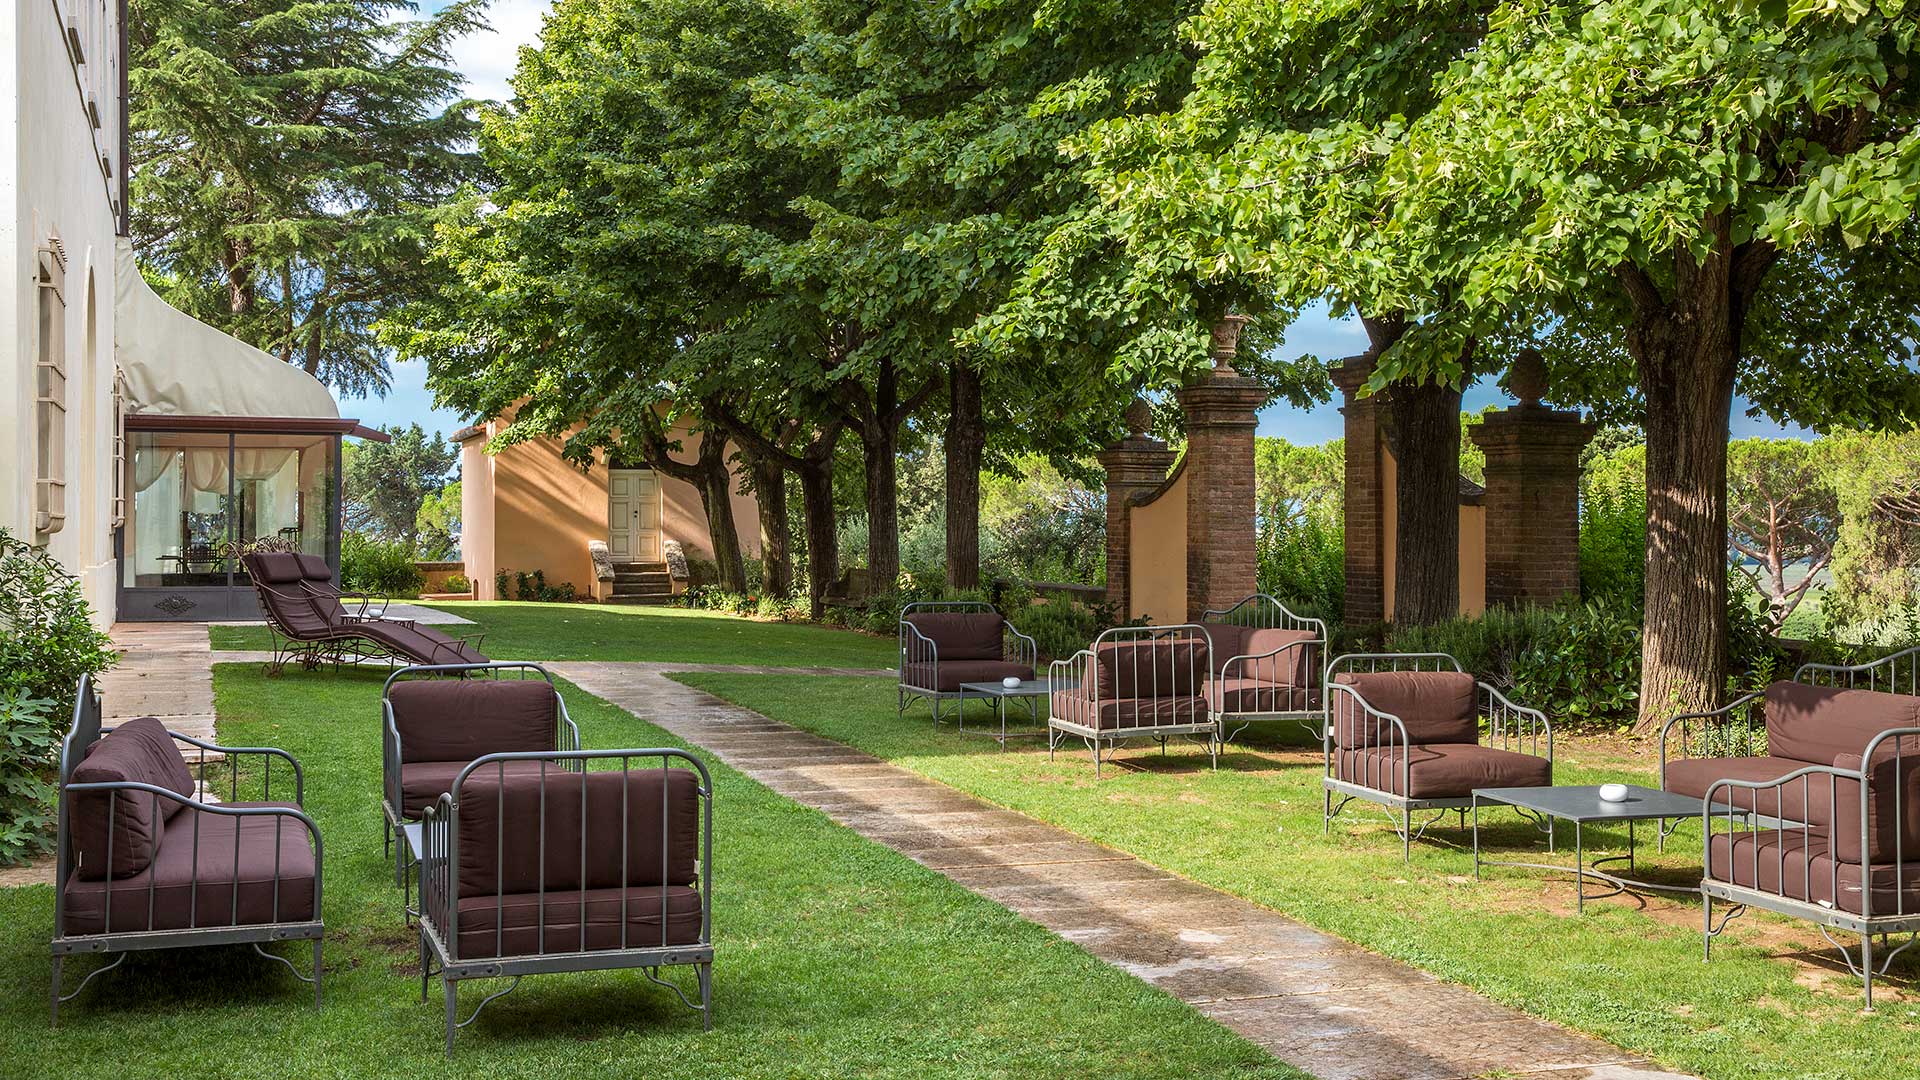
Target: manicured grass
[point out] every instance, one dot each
(1253, 828)
(837, 958)
(530, 631)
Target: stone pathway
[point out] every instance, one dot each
(165, 671)
(1313, 1000)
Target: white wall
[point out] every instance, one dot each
(51, 184)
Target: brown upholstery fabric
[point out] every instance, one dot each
(290, 606)
(461, 719)
(420, 644)
(423, 782)
(138, 751)
(1441, 770)
(947, 676)
(273, 567)
(1171, 667)
(502, 823)
(1077, 707)
(1893, 805)
(1797, 864)
(1893, 829)
(1226, 641)
(963, 635)
(1692, 776)
(1434, 706)
(1816, 724)
(1235, 695)
(315, 569)
(1298, 666)
(177, 902)
(511, 925)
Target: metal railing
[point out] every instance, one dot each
(1895, 673)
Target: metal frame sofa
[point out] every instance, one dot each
(539, 863)
(1405, 730)
(435, 720)
(1134, 682)
(142, 863)
(1818, 815)
(1267, 664)
(308, 620)
(948, 642)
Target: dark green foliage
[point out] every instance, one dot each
(385, 567)
(532, 585)
(1302, 563)
(386, 485)
(1613, 542)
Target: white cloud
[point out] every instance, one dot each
(488, 59)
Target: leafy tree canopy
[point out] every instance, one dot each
(386, 484)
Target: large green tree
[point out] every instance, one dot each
(385, 484)
(288, 160)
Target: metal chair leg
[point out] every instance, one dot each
(55, 1020)
(316, 974)
(706, 995)
(450, 991)
(1866, 966)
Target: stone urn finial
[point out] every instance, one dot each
(1139, 417)
(1226, 341)
(1528, 377)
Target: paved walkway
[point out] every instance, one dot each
(1319, 1003)
(165, 671)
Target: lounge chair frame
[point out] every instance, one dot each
(440, 929)
(341, 642)
(85, 731)
(1509, 726)
(1267, 613)
(1072, 673)
(917, 648)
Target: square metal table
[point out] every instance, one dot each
(1582, 805)
(1033, 690)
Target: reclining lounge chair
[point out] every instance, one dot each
(1266, 664)
(437, 720)
(1404, 730)
(1134, 682)
(569, 861)
(141, 863)
(949, 642)
(308, 619)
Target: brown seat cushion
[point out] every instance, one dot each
(137, 751)
(275, 878)
(1163, 667)
(511, 925)
(461, 719)
(504, 820)
(1441, 770)
(1796, 863)
(946, 676)
(421, 644)
(1108, 714)
(1816, 724)
(1434, 706)
(962, 635)
(423, 782)
(1298, 665)
(1260, 696)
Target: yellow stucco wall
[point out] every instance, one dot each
(1473, 543)
(1159, 557)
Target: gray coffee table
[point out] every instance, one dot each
(1582, 806)
(1033, 690)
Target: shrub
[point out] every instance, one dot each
(379, 566)
(457, 583)
(1303, 565)
(47, 642)
(1058, 626)
(1613, 530)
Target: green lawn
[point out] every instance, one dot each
(1253, 829)
(530, 631)
(837, 958)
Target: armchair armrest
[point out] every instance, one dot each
(1070, 675)
(233, 752)
(1019, 648)
(1683, 720)
(1518, 727)
(916, 648)
(1398, 747)
(367, 601)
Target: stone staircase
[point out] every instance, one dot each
(641, 583)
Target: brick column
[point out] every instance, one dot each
(1221, 415)
(1135, 465)
(1533, 494)
(1365, 506)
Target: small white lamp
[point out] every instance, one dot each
(1613, 793)
(1010, 682)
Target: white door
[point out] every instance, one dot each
(633, 515)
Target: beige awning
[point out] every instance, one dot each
(177, 365)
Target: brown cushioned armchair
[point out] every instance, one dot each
(146, 859)
(949, 642)
(551, 862)
(1266, 664)
(1134, 682)
(1413, 732)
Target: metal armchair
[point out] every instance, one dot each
(1134, 682)
(946, 643)
(1267, 664)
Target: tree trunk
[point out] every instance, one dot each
(776, 555)
(881, 445)
(1424, 434)
(716, 497)
(823, 539)
(965, 445)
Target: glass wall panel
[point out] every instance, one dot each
(179, 525)
(283, 492)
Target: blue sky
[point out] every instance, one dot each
(488, 60)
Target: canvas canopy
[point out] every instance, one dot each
(176, 365)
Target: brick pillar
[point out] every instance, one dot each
(1533, 494)
(1365, 502)
(1221, 415)
(1136, 465)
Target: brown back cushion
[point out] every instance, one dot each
(1228, 641)
(1816, 724)
(273, 567)
(963, 635)
(1173, 667)
(502, 822)
(1893, 804)
(314, 568)
(139, 751)
(462, 719)
(1299, 666)
(1435, 707)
